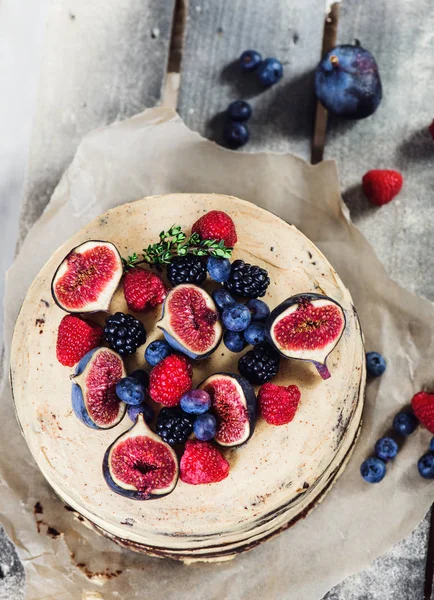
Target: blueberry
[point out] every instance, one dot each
(405, 423)
(205, 427)
(234, 341)
(223, 299)
(431, 445)
(386, 448)
(236, 318)
(133, 411)
(157, 351)
(250, 60)
(373, 470)
(239, 110)
(141, 376)
(347, 82)
(426, 465)
(130, 391)
(236, 134)
(219, 269)
(258, 309)
(375, 364)
(195, 402)
(255, 333)
(270, 71)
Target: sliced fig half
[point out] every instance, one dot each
(307, 327)
(190, 321)
(87, 277)
(94, 398)
(233, 402)
(139, 465)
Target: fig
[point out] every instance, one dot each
(87, 277)
(190, 321)
(233, 402)
(94, 398)
(139, 465)
(307, 327)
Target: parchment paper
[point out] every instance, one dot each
(154, 153)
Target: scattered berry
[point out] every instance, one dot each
(250, 60)
(174, 426)
(258, 309)
(157, 351)
(431, 129)
(130, 391)
(255, 333)
(170, 379)
(145, 409)
(236, 134)
(381, 186)
(386, 448)
(143, 289)
(195, 402)
(75, 338)
(236, 318)
(124, 333)
(142, 377)
(219, 269)
(426, 465)
(247, 280)
(223, 299)
(186, 269)
(205, 427)
(216, 225)
(375, 364)
(278, 404)
(234, 341)
(260, 364)
(431, 445)
(270, 71)
(423, 408)
(373, 470)
(239, 110)
(405, 423)
(202, 463)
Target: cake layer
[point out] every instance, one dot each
(274, 478)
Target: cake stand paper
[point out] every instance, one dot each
(155, 153)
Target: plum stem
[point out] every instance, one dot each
(322, 370)
(334, 60)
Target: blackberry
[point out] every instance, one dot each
(260, 364)
(186, 269)
(124, 333)
(247, 280)
(174, 426)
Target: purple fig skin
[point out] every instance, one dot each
(321, 367)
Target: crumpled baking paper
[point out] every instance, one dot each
(154, 153)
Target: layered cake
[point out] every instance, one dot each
(243, 414)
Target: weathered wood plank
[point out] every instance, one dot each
(217, 33)
(103, 61)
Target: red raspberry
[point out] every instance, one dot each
(431, 129)
(278, 404)
(202, 463)
(170, 379)
(216, 225)
(422, 404)
(143, 289)
(75, 337)
(381, 186)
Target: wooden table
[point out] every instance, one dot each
(107, 61)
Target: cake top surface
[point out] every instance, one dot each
(276, 467)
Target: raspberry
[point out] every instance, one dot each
(170, 379)
(143, 289)
(75, 338)
(216, 225)
(278, 404)
(381, 186)
(422, 404)
(202, 463)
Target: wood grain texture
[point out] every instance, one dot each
(104, 61)
(217, 33)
